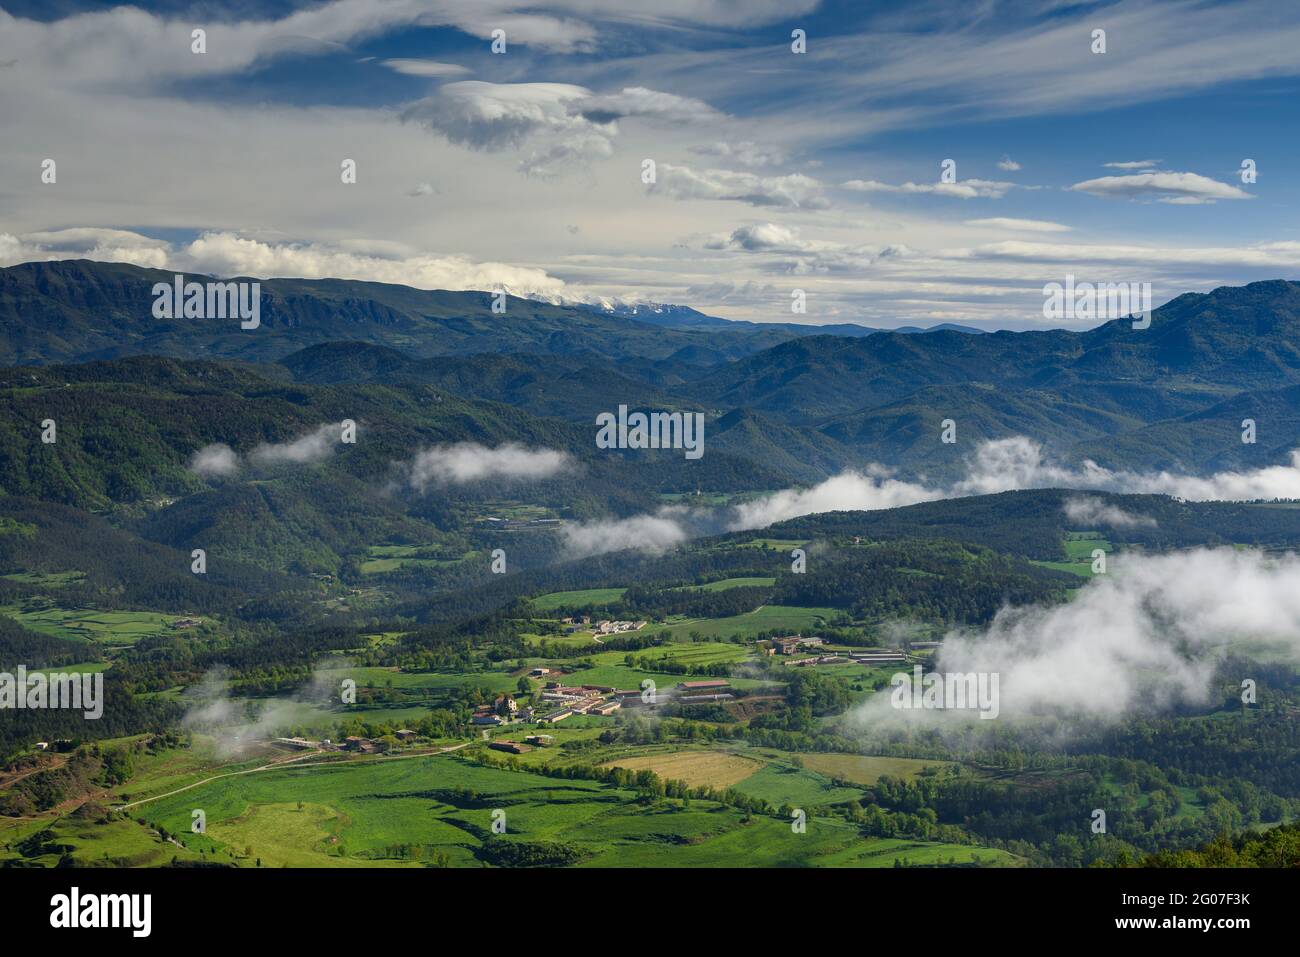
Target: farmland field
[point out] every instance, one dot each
(727, 583)
(439, 810)
(584, 598)
(867, 770)
(717, 769)
(110, 628)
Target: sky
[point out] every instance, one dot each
(774, 170)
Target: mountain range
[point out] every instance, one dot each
(792, 403)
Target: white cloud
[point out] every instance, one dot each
(640, 101)
(1175, 188)
(1132, 164)
(228, 254)
(744, 152)
(429, 68)
(1142, 638)
(1007, 164)
(1022, 225)
(561, 123)
(793, 191)
(1094, 512)
(999, 465)
(215, 461)
(849, 491)
(101, 245)
(1018, 463)
(648, 533)
(963, 189)
(493, 116)
(468, 462)
(312, 447)
(1284, 254)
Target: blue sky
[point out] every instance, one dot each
(775, 171)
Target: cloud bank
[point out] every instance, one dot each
(1143, 638)
(1000, 465)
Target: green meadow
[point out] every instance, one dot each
(111, 628)
(439, 810)
(583, 598)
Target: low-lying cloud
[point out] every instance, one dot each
(667, 528)
(467, 462)
(312, 447)
(215, 461)
(1000, 465)
(1145, 637)
(1091, 512)
(219, 460)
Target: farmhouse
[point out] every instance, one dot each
(791, 644)
(617, 627)
(605, 708)
(539, 740)
(514, 747)
(539, 672)
(556, 716)
(405, 734)
(691, 687)
(487, 719)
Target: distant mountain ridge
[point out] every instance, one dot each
(80, 310)
(798, 404)
(684, 317)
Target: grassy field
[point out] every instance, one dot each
(385, 559)
(397, 811)
(865, 769)
(627, 679)
(774, 544)
(789, 619)
(685, 653)
(110, 628)
(727, 583)
(584, 598)
(1079, 547)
